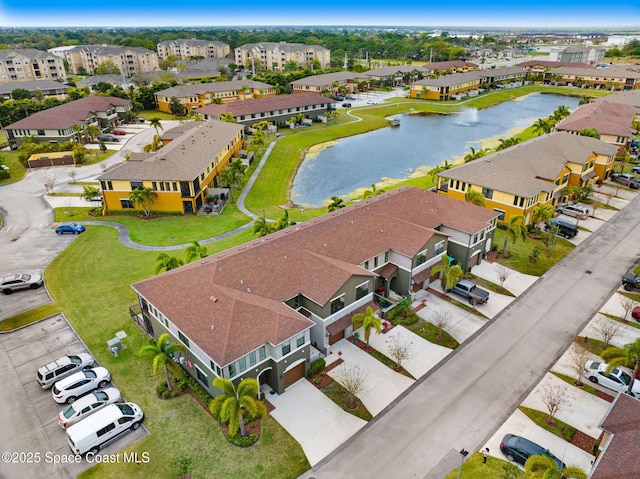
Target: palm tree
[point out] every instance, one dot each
(584, 192)
(238, 168)
(227, 117)
(155, 123)
(167, 263)
(143, 197)
(90, 192)
(372, 192)
(230, 405)
(571, 191)
(80, 132)
(450, 273)
(443, 167)
(336, 203)
(162, 351)
(228, 178)
(367, 320)
(92, 131)
(585, 100)
(474, 197)
(561, 113)
(507, 143)
(155, 145)
(542, 126)
(194, 251)
(516, 230)
(283, 222)
(474, 155)
(543, 212)
(628, 356)
(262, 227)
(545, 467)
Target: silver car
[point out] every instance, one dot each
(87, 405)
(16, 282)
(63, 367)
(78, 384)
(576, 211)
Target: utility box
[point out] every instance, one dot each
(114, 345)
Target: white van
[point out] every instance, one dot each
(104, 427)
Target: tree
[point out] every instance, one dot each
(336, 204)
(155, 123)
(503, 273)
(176, 108)
(578, 356)
(627, 305)
(399, 349)
(372, 192)
(167, 263)
(89, 193)
(228, 178)
(227, 117)
(592, 132)
(584, 192)
(543, 212)
(352, 378)
(20, 94)
(545, 467)
(474, 197)
(239, 169)
(629, 356)
(561, 113)
(163, 351)
(606, 329)
(555, 397)
(144, 198)
(542, 126)
(262, 227)
(516, 230)
(283, 222)
(107, 68)
(450, 273)
(585, 100)
(155, 145)
(233, 402)
(92, 131)
(367, 321)
(79, 154)
(507, 143)
(194, 251)
(474, 155)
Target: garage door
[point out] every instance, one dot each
(291, 376)
(334, 338)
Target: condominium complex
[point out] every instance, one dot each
(130, 60)
(192, 48)
(274, 56)
(30, 64)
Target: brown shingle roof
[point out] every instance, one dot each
(450, 80)
(182, 91)
(614, 119)
(328, 78)
(314, 259)
(64, 116)
(448, 65)
(261, 105)
(551, 65)
(627, 97)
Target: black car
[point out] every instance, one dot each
(346, 105)
(518, 449)
(565, 227)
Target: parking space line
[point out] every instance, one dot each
(62, 329)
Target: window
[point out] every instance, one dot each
(366, 265)
(183, 338)
(362, 290)
(299, 340)
(136, 184)
(487, 193)
(252, 358)
(439, 248)
(40, 132)
(386, 256)
(202, 377)
(106, 429)
(286, 348)
(126, 204)
(501, 217)
(232, 370)
(421, 258)
(375, 262)
(262, 353)
(242, 364)
(337, 304)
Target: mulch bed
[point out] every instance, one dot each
(360, 343)
(419, 307)
(604, 396)
(491, 257)
(319, 380)
(584, 441)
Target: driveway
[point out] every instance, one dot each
(314, 420)
(624, 335)
(29, 411)
(515, 282)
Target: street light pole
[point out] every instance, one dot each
(463, 453)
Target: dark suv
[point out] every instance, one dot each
(565, 227)
(518, 449)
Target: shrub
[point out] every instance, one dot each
(402, 315)
(316, 366)
(243, 441)
(502, 225)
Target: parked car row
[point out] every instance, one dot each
(626, 179)
(95, 416)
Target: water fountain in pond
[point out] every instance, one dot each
(467, 117)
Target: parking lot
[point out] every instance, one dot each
(29, 412)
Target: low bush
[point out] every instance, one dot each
(402, 315)
(243, 441)
(316, 366)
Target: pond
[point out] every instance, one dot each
(347, 167)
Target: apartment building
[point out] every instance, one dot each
(30, 64)
(190, 48)
(274, 56)
(130, 60)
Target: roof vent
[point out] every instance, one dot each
(212, 327)
(213, 299)
(162, 159)
(248, 290)
(242, 281)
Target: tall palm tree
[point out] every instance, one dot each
(283, 222)
(239, 169)
(155, 144)
(336, 203)
(542, 213)
(545, 467)
(474, 197)
(92, 131)
(262, 227)
(167, 263)
(516, 230)
(155, 123)
(443, 167)
(227, 117)
(474, 155)
(372, 192)
(194, 251)
(450, 273)
(90, 192)
(232, 403)
(144, 197)
(542, 126)
(228, 178)
(507, 143)
(162, 351)
(561, 113)
(367, 321)
(629, 356)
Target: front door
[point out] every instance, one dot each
(187, 206)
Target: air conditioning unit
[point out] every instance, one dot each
(114, 345)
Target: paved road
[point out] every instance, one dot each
(463, 402)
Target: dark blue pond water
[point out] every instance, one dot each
(347, 167)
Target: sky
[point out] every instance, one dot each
(550, 14)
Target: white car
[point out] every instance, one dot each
(371, 102)
(617, 379)
(576, 211)
(78, 384)
(63, 367)
(87, 405)
(16, 282)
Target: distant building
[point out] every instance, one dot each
(48, 88)
(113, 80)
(274, 56)
(577, 54)
(130, 60)
(328, 82)
(192, 48)
(397, 75)
(453, 66)
(541, 66)
(30, 64)
(618, 77)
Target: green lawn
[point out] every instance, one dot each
(16, 169)
(572, 380)
(559, 428)
(179, 427)
(338, 394)
(433, 334)
(494, 469)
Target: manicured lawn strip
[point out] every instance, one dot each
(631, 295)
(636, 270)
(31, 316)
(430, 332)
(495, 468)
(594, 346)
(66, 193)
(338, 394)
(630, 322)
(148, 114)
(559, 428)
(179, 427)
(571, 380)
(16, 170)
(486, 284)
(467, 307)
(387, 361)
(520, 252)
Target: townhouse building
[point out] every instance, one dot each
(180, 173)
(453, 66)
(274, 56)
(397, 75)
(130, 60)
(515, 180)
(268, 308)
(611, 78)
(447, 87)
(46, 88)
(29, 64)
(192, 48)
(331, 83)
(578, 54)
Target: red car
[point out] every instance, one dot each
(118, 132)
(635, 314)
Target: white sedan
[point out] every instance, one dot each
(78, 384)
(617, 379)
(87, 405)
